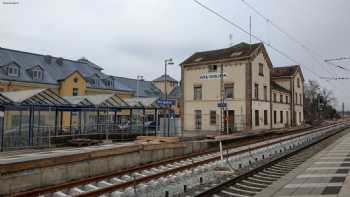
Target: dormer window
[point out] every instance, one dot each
(109, 83)
(13, 71)
(93, 82)
(37, 74)
(212, 68)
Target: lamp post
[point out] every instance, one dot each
(166, 63)
(139, 77)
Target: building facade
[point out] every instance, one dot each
(241, 77)
(21, 70)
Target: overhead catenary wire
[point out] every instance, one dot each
(254, 36)
(288, 35)
(313, 55)
(261, 40)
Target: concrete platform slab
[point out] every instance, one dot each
(326, 174)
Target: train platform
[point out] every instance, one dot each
(326, 174)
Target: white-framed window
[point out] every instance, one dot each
(13, 71)
(212, 68)
(213, 117)
(109, 83)
(75, 80)
(198, 119)
(37, 74)
(75, 92)
(94, 81)
(229, 90)
(261, 69)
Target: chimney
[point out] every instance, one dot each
(48, 59)
(59, 61)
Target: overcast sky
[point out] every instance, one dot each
(133, 37)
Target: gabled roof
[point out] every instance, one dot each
(35, 97)
(83, 59)
(55, 68)
(142, 102)
(78, 100)
(105, 100)
(286, 71)
(162, 78)
(175, 93)
(145, 88)
(239, 51)
(279, 88)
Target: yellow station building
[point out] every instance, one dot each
(257, 95)
(21, 70)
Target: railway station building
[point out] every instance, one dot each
(22, 71)
(237, 88)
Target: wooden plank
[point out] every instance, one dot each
(158, 139)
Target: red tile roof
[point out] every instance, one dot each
(277, 87)
(286, 71)
(238, 51)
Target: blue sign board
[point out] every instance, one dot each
(222, 105)
(166, 102)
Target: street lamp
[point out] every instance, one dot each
(166, 63)
(139, 77)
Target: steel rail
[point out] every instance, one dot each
(215, 190)
(134, 182)
(250, 140)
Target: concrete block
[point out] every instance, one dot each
(188, 149)
(203, 146)
(5, 185)
(116, 163)
(179, 152)
(24, 180)
(78, 170)
(53, 175)
(145, 156)
(132, 159)
(98, 166)
(168, 153)
(157, 155)
(196, 147)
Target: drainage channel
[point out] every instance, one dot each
(250, 182)
(183, 175)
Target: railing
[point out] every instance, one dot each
(47, 136)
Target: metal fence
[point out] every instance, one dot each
(45, 133)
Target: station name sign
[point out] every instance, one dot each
(212, 76)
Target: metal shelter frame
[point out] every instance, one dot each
(31, 104)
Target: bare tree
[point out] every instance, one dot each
(318, 103)
(327, 97)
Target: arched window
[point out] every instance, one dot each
(37, 74)
(13, 70)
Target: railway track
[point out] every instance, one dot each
(254, 181)
(161, 174)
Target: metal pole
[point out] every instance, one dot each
(2, 130)
(98, 120)
(226, 119)
(70, 123)
(49, 129)
(108, 123)
(166, 97)
(30, 126)
(56, 116)
(318, 108)
(222, 97)
(250, 29)
(143, 121)
(343, 106)
(130, 119)
(221, 153)
(156, 118)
